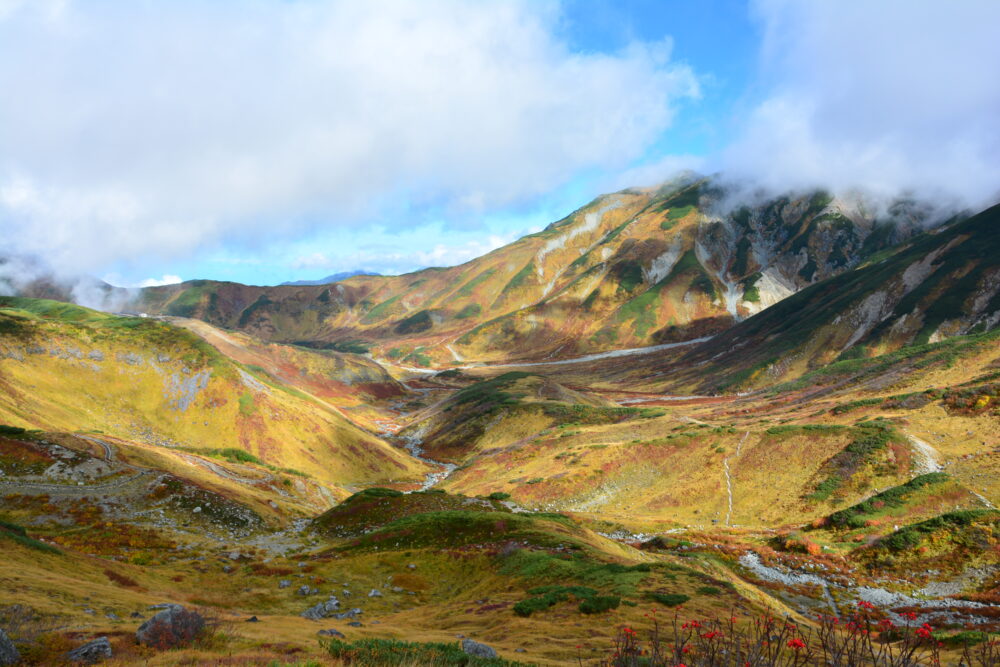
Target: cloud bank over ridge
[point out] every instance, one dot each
(891, 96)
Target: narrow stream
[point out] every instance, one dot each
(412, 444)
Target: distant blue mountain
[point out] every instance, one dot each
(331, 279)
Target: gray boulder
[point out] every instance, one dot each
(8, 652)
(322, 610)
(331, 633)
(91, 652)
(375, 593)
(174, 626)
(350, 613)
(284, 583)
(478, 650)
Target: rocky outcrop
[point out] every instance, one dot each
(172, 627)
(8, 652)
(322, 610)
(477, 649)
(91, 652)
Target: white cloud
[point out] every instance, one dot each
(154, 128)
(389, 260)
(157, 282)
(891, 95)
(316, 260)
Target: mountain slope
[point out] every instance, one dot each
(64, 367)
(631, 268)
(939, 284)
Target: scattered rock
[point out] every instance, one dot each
(477, 649)
(322, 609)
(227, 568)
(91, 652)
(356, 624)
(350, 613)
(136, 614)
(412, 566)
(519, 650)
(306, 590)
(284, 583)
(375, 593)
(8, 652)
(253, 619)
(172, 627)
(332, 633)
(397, 589)
(112, 616)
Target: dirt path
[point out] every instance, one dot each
(729, 480)
(223, 472)
(629, 352)
(68, 491)
(109, 452)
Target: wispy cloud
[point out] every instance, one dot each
(389, 260)
(157, 282)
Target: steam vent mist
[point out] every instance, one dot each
(496, 333)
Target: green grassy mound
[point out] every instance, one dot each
(375, 508)
(455, 528)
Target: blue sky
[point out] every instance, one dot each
(267, 141)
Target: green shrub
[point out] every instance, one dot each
(668, 599)
(11, 430)
(599, 604)
(499, 495)
(16, 533)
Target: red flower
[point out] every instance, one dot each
(796, 644)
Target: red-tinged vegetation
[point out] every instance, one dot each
(865, 637)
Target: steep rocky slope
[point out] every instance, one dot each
(631, 268)
(939, 284)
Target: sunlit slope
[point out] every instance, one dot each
(67, 368)
(938, 285)
(503, 410)
(630, 268)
